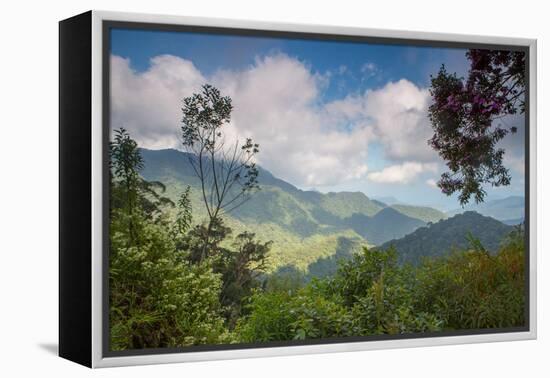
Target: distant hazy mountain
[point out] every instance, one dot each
(385, 225)
(424, 213)
(304, 225)
(505, 209)
(439, 238)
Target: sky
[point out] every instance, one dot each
(329, 116)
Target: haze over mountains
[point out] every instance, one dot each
(305, 226)
(510, 210)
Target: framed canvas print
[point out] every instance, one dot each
(239, 189)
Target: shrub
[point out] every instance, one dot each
(158, 299)
(473, 289)
(307, 314)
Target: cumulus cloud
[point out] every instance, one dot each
(276, 102)
(401, 173)
(148, 104)
(397, 113)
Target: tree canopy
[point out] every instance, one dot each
(467, 119)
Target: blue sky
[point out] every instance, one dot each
(360, 107)
(211, 52)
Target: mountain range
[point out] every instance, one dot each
(305, 226)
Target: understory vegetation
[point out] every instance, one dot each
(174, 282)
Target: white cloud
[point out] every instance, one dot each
(431, 182)
(397, 113)
(401, 173)
(276, 102)
(148, 104)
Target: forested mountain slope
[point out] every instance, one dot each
(304, 225)
(441, 238)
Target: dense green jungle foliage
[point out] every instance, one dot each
(176, 281)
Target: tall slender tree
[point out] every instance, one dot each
(226, 169)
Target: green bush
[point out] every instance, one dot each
(158, 299)
(276, 316)
(474, 289)
(380, 293)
